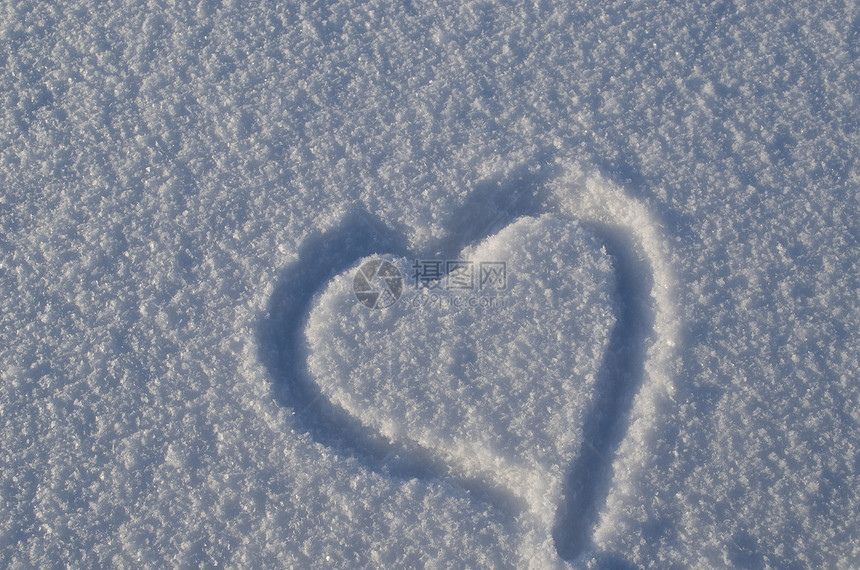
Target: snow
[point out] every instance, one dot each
(186, 191)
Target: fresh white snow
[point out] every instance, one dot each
(187, 189)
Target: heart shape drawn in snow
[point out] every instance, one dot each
(497, 390)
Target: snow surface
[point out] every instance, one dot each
(184, 187)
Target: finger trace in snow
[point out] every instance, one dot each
(498, 392)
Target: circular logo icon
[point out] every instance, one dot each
(377, 284)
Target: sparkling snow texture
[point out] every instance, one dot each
(184, 188)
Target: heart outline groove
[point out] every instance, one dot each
(637, 350)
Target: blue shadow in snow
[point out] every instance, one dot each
(281, 341)
(618, 380)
